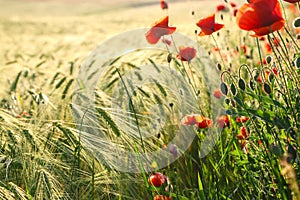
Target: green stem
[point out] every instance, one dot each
(133, 109)
(215, 41)
(259, 51)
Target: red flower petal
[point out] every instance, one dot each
(244, 132)
(186, 53)
(159, 29)
(198, 120)
(242, 119)
(222, 121)
(163, 4)
(292, 1)
(208, 25)
(162, 197)
(261, 16)
(205, 123)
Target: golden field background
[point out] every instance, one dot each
(51, 33)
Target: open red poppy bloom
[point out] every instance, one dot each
(242, 119)
(223, 121)
(208, 25)
(198, 120)
(156, 179)
(186, 53)
(163, 4)
(204, 123)
(162, 197)
(261, 16)
(292, 1)
(159, 29)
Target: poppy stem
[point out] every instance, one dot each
(215, 41)
(295, 43)
(284, 13)
(247, 67)
(187, 75)
(132, 107)
(259, 51)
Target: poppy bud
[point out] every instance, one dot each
(169, 58)
(242, 84)
(252, 85)
(227, 101)
(275, 149)
(232, 102)
(296, 22)
(269, 59)
(219, 66)
(267, 88)
(233, 89)
(224, 88)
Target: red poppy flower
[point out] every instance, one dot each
(221, 7)
(186, 53)
(275, 71)
(217, 93)
(208, 25)
(292, 1)
(259, 79)
(268, 47)
(163, 4)
(159, 29)
(156, 179)
(244, 132)
(198, 120)
(261, 16)
(222, 121)
(242, 119)
(162, 197)
(205, 123)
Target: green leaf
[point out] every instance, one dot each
(200, 187)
